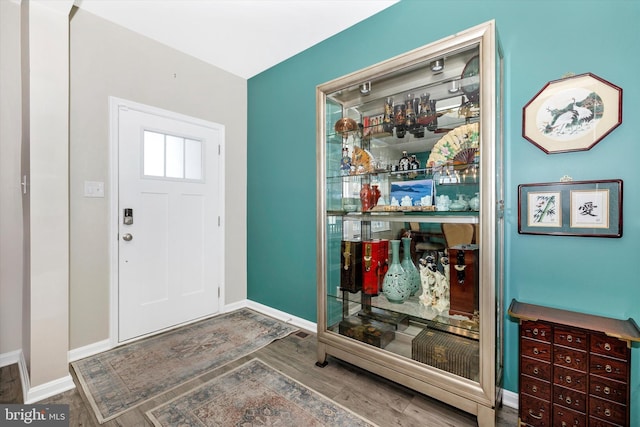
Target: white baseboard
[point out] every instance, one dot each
(10, 358)
(510, 399)
(36, 394)
(281, 315)
(89, 350)
(17, 356)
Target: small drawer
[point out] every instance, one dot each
(608, 389)
(609, 346)
(597, 422)
(536, 330)
(535, 412)
(536, 349)
(608, 368)
(569, 398)
(564, 417)
(569, 358)
(608, 411)
(535, 387)
(569, 378)
(570, 338)
(535, 368)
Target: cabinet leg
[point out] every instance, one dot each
(486, 416)
(322, 356)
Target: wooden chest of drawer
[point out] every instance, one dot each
(574, 370)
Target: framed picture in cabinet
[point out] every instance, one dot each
(574, 208)
(572, 114)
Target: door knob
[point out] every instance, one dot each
(127, 237)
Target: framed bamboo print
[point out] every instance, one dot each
(572, 114)
(573, 208)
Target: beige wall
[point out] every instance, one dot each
(49, 189)
(11, 247)
(108, 60)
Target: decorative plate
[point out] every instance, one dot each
(472, 69)
(462, 142)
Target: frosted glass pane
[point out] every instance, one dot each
(175, 157)
(153, 148)
(193, 159)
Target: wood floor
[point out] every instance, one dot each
(376, 399)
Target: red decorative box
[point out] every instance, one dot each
(375, 256)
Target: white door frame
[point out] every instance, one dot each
(114, 105)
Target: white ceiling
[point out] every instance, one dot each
(243, 37)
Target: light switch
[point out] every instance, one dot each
(93, 189)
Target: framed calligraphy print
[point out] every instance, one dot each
(573, 208)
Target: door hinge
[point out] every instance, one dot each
(218, 292)
(218, 221)
(219, 149)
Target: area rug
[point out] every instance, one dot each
(254, 394)
(125, 377)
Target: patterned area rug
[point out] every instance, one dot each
(125, 377)
(254, 394)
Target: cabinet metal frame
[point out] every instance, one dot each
(479, 398)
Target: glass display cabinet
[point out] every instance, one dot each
(410, 220)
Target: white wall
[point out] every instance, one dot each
(108, 60)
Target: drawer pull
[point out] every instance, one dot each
(535, 331)
(607, 346)
(537, 417)
(568, 400)
(569, 338)
(607, 412)
(567, 379)
(534, 389)
(567, 359)
(564, 424)
(607, 390)
(608, 368)
(535, 350)
(536, 370)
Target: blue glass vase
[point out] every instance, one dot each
(395, 285)
(415, 284)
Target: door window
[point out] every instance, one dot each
(170, 156)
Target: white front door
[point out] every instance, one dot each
(169, 212)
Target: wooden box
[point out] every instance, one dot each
(463, 280)
(446, 351)
(398, 321)
(369, 331)
(351, 265)
(375, 260)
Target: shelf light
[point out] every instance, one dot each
(437, 65)
(365, 88)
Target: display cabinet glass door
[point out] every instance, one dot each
(414, 138)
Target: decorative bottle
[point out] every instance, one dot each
(395, 285)
(415, 284)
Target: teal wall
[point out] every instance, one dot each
(542, 41)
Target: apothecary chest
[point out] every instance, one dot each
(575, 368)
